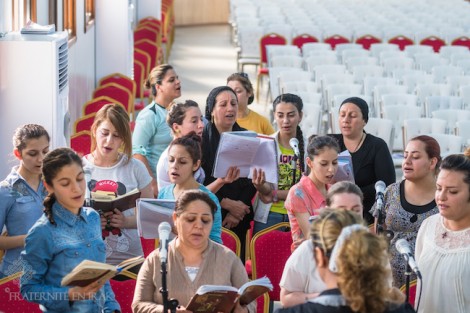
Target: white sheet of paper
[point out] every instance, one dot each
(150, 213)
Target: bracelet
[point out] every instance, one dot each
(274, 195)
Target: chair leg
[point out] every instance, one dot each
(257, 86)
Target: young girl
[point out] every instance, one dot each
(119, 173)
(22, 193)
(63, 237)
(183, 118)
(184, 159)
(287, 110)
(309, 195)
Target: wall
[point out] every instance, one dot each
(199, 12)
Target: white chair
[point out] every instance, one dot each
(465, 65)
(411, 50)
(422, 126)
(399, 113)
(462, 128)
(392, 64)
(333, 117)
(380, 90)
(440, 73)
(398, 99)
(287, 61)
(427, 61)
(274, 79)
(435, 103)
(382, 128)
(313, 46)
(398, 74)
(338, 99)
(311, 120)
(310, 97)
(312, 61)
(464, 93)
(451, 116)
(320, 70)
(412, 80)
(334, 78)
(456, 57)
(391, 54)
(340, 89)
(426, 90)
(249, 48)
(362, 71)
(376, 48)
(369, 84)
(447, 51)
(449, 144)
(347, 46)
(360, 61)
(457, 81)
(319, 53)
(296, 86)
(353, 53)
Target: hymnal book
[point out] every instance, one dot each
(90, 271)
(150, 213)
(33, 28)
(345, 168)
(106, 201)
(213, 299)
(246, 150)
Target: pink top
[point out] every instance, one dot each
(303, 197)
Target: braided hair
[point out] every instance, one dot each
(297, 102)
(53, 163)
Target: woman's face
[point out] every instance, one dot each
(242, 93)
(192, 122)
(194, 224)
(323, 166)
(453, 196)
(351, 121)
(347, 201)
(170, 86)
(225, 110)
(417, 163)
(33, 154)
(180, 164)
(287, 118)
(108, 140)
(69, 187)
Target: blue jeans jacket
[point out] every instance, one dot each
(52, 251)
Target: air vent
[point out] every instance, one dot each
(63, 65)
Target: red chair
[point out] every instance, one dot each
(95, 104)
(300, 40)
(124, 293)
(402, 41)
(118, 93)
(231, 241)
(146, 32)
(461, 41)
(125, 82)
(335, 39)
(148, 245)
(81, 142)
(262, 304)
(413, 286)
(144, 58)
(367, 40)
(435, 42)
(84, 123)
(152, 50)
(10, 296)
(269, 250)
(268, 39)
(139, 69)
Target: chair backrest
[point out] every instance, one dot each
(148, 245)
(336, 39)
(392, 64)
(287, 61)
(422, 126)
(434, 103)
(10, 296)
(462, 128)
(84, 122)
(321, 70)
(440, 73)
(119, 79)
(451, 116)
(269, 251)
(311, 119)
(376, 48)
(464, 93)
(411, 50)
(314, 46)
(426, 90)
(302, 39)
(341, 89)
(231, 241)
(144, 58)
(461, 41)
(118, 93)
(380, 90)
(447, 51)
(413, 79)
(146, 32)
(296, 86)
(139, 69)
(346, 54)
(399, 113)
(97, 103)
(152, 49)
(382, 128)
(433, 41)
(449, 144)
(315, 60)
(352, 62)
(367, 40)
(269, 39)
(124, 293)
(81, 142)
(401, 41)
(456, 81)
(362, 71)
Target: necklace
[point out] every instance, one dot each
(360, 142)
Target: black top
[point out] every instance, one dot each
(371, 163)
(331, 301)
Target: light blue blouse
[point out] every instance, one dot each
(151, 134)
(20, 207)
(52, 251)
(216, 231)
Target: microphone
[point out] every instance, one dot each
(164, 230)
(87, 173)
(294, 143)
(403, 247)
(379, 193)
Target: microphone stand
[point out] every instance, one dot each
(294, 168)
(170, 304)
(407, 280)
(379, 228)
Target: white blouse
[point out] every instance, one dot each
(443, 257)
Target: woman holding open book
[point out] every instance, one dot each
(193, 260)
(65, 235)
(235, 194)
(184, 160)
(114, 173)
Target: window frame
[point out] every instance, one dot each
(69, 19)
(89, 17)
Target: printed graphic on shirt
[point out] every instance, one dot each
(285, 169)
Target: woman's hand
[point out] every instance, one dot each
(115, 219)
(85, 293)
(236, 208)
(259, 178)
(240, 308)
(182, 309)
(230, 221)
(233, 173)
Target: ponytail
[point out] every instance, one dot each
(48, 202)
(300, 137)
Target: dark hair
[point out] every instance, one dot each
(118, 116)
(53, 163)
(432, 148)
(361, 104)
(243, 79)
(156, 77)
(26, 132)
(192, 143)
(343, 187)
(211, 99)
(188, 196)
(318, 143)
(458, 163)
(297, 102)
(178, 110)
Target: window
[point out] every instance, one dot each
(89, 14)
(30, 11)
(69, 19)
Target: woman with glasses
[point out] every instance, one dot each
(247, 118)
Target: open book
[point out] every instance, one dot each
(246, 150)
(213, 299)
(345, 168)
(105, 201)
(150, 213)
(89, 271)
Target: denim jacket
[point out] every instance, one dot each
(52, 251)
(20, 207)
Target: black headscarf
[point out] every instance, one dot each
(361, 104)
(210, 102)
